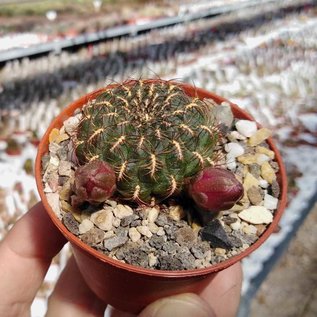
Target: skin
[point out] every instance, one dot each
(26, 254)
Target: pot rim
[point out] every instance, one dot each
(192, 91)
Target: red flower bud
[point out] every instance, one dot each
(94, 182)
(215, 189)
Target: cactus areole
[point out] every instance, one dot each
(152, 134)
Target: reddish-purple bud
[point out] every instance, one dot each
(215, 189)
(94, 182)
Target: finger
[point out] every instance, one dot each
(185, 305)
(72, 297)
(25, 256)
(224, 291)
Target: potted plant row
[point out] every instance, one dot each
(158, 185)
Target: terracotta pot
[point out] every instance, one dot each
(131, 288)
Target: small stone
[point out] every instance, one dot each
(161, 220)
(145, 231)
(266, 151)
(169, 262)
(185, 236)
(255, 195)
(134, 234)
(275, 189)
(160, 231)
(53, 200)
(157, 242)
(246, 127)
(249, 229)
(268, 173)
(247, 159)
(261, 158)
(152, 214)
(176, 212)
(93, 237)
(53, 135)
(65, 168)
(71, 124)
(122, 211)
(109, 234)
(103, 219)
(153, 227)
(54, 160)
(260, 229)
(263, 183)
(260, 135)
(171, 247)
(231, 163)
(236, 225)
(61, 137)
(270, 202)
(235, 135)
(116, 222)
(250, 181)
(126, 221)
(216, 235)
(255, 170)
(187, 259)
(234, 149)
(70, 223)
(152, 259)
(256, 215)
(111, 203)
(85, 226)
(199, 250)
(114, 242)
(236, 241)
(65, 191)
(220, 251)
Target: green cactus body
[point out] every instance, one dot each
(151, 133)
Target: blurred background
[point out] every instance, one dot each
(260, 54)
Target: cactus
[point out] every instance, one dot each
(152, 134)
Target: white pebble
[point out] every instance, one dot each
(261, 158)
(152, 214)
(236, 225)
(231, 163)
(102, 219)
(122, 211)
(256, 215)
(234, 149)
(263, 183)
(246, 127)
(134, 234)
(71, 124)
(152, 259)
(160, 232)
(53, 200)
(270, 202)
(85, 226)
(144, 230)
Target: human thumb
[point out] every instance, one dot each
(185, 305)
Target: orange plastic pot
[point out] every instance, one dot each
(130, 288)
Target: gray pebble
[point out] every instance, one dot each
(93, 237)
(185, 236)
(115, 242)
(71, 223)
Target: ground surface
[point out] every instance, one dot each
(291, 288)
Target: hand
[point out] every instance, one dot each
(26, 254)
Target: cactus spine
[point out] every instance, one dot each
(152, 134)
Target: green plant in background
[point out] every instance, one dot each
(153, 135)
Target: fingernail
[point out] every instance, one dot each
(185, 305)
